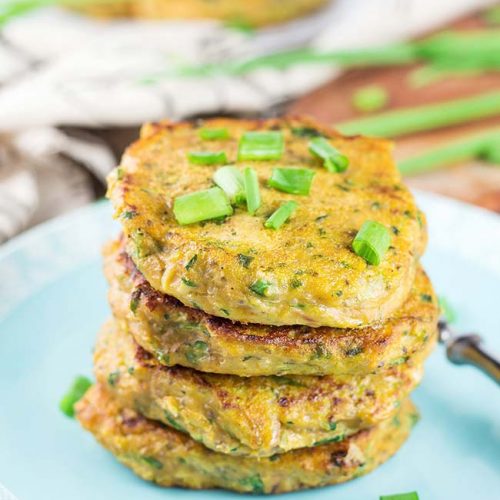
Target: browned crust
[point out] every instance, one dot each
(173, 459)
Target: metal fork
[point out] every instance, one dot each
(467, 349)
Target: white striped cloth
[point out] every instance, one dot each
(58, 68)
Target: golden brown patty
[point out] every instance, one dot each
(103, 8)
(247, 14)
(170, 458)
(313, 276)
(257, 416)
(179, 335)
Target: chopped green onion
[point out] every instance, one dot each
(306, 132)
(292, 180)
(280, 216)
(76, 392)
(369, 99)
(207, 157)
(422, 118)
(261, 146)
(492, 15)
(449, 313)
(334, 160)
(478, 146)
(491, 152)
(231, 181)
(252, 192)
(401, 496)
(380, 56)
(212, 134)
(372, 242)
(260, 287)
(202, 205)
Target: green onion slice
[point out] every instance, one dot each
(207, 157)
(292, 180)
(334, 160)
(447, 310)
(213, 134)
(413, 495)
(369, 99)
(252, 193)
(261, 146)
(231, 181)
(280, 216)
(202, 205)
(76, 392)
(372, 242)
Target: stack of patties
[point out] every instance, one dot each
(270, 315)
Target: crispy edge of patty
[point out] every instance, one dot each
(170, 458)
(180, 335)
(258, 416)
(370, 293)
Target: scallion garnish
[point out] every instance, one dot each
(280, 216)
(231, 181)
(207, 157)
(202, 205)
(424, 118)
(260, 287)
(76, 392)
(261, 146)
(292, 180)
(333, 159)
(252, 192)
(213, 134)
(369, 99)
(446, 309)
(413, 495)
(372, 242)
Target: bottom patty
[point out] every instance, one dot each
(257, 416)
(170, 458)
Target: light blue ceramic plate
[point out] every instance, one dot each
(53, 299)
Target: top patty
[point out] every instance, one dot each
(314, 276)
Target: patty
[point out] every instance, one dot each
(312, 275)
(252, 14)
(180, 335)
(257, 416)
(246, 14)
(103, 8)
(170, 458)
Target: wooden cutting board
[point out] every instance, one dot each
(474, 182)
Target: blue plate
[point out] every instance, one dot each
(53, 299)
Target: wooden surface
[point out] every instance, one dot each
(474, 182)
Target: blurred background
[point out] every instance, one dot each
(78, 77)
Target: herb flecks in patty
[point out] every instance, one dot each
(260, 287)
(244, 260)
